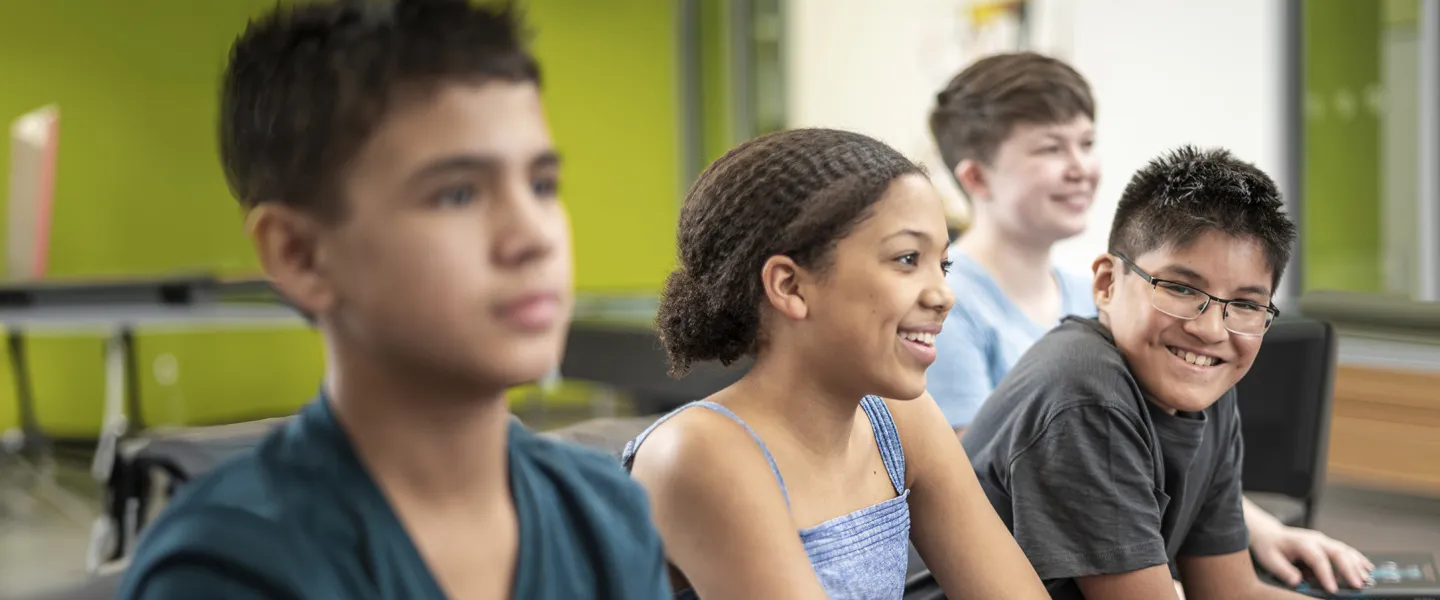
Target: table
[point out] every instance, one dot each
(117, 307)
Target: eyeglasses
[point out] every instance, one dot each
(1241, 317)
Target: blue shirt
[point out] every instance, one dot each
(985, 333)
(299, 517)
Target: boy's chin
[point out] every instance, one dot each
(521, 366)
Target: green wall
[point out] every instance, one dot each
(612, 93)
(1342, 155)
(139, 190)
(717, 130)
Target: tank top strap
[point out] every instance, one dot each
(627, 457)
(887, 438)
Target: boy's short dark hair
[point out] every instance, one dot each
(793, 193)
(1187, 192)
(308, 83)
(979, 107)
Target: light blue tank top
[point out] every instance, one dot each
(862, 555)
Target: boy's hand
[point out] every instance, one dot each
(1277, 549)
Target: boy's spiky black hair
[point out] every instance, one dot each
(1189, 191)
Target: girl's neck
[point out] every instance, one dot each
(783, 392)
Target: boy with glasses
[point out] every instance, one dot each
(1017, 131)
(1112, 449)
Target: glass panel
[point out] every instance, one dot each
(1361, 217)
(767, 73)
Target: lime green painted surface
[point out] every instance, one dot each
(1401, 13)
(139, 189)
(138, 183)
(1341, 170)
(9, 409)
(612, 93)
(717, 116)
(68, 382)
(200, 378)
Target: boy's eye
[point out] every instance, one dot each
(456, 196)
(1177, 289)
(548, 187)
(1246, 307)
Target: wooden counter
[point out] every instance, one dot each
(1385, 429)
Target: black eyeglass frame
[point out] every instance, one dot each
(1224, 302)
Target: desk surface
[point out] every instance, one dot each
(200, 300)
(148, 315)
(114, 303)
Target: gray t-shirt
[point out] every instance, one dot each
(1092, 478)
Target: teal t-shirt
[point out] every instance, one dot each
(299, 517)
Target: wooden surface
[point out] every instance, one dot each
(1385, 430)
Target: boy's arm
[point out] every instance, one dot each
(1227, 577)
(959, 381)
(1085, 505)
(187, 580)
(1150, 582)
(218, 552)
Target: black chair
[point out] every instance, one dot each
(628, 356)
(1285, 404)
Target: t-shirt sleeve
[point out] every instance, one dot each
(633, 555)
(960, 378)
(216, 552)
(187, 580)
(1083, 497)
(1220, 525)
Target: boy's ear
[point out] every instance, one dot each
(1107, 277)
(782, 279)
(290, 246)
(971, 176)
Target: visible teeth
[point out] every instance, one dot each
(915, 336)
(1194, 359)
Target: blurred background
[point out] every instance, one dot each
(1338, 99)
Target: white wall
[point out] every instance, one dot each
(1164, 72)
(871, 66)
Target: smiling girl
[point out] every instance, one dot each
(822, 254)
